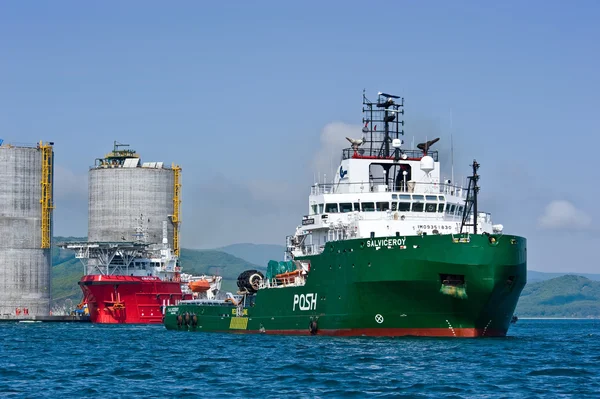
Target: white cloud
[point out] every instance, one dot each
(562, 214)
(333, 140)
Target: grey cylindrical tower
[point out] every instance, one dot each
(126, 195)
(24, 264)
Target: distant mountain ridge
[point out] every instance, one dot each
(535, 276)
(565, 296)
(259, 254)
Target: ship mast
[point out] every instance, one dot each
(386, 111)
(471, 201)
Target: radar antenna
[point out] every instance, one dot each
(387, 110)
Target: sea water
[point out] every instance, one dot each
(539, 358)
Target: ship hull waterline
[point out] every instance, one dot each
(436, 285)
(117, 299)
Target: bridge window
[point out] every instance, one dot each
(431, 197)
(442, 198)
(357, 206)
(404, 206)
(368, 207)
(441, 208)
(346, 207)
(460, 210)
(320, 209)
(394, 206)
(383, 206)
(430, 207)
(405, 197)
(417, 206)
(450, 208)
(331, 208)
(313, 209)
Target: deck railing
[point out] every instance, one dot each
(379, 187)
(374, 151)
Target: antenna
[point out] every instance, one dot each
(451, 147)
(331, 166)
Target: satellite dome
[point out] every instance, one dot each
(427, 164)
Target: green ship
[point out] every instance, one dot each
(388, 248)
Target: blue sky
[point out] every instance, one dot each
(253, 98)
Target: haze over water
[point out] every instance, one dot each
(539, 358)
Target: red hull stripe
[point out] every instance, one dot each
(388, 332)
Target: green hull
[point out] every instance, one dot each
(384, 287)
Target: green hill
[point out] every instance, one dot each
(62, 255)
(64, 281)
(565, 296)
(216, 262)
(67, 272)
(259, 254)
(535, 276)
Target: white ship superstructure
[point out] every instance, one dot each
(382, 190)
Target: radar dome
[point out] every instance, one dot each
(427, 164)
(396, 143)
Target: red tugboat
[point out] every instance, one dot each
(132, 283)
